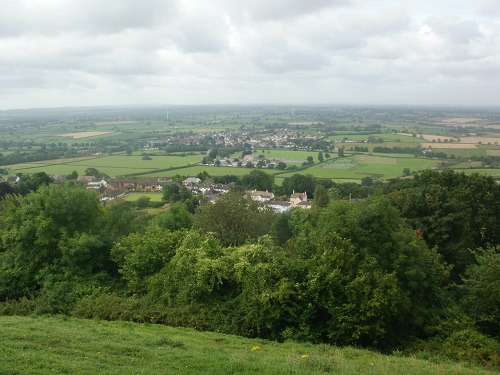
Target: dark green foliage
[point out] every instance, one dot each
(257, 180)
(367, 263)
(43, 234)
(482, 291)
(466, 345)
(281, 165)
(281, 230)
(321, 198)
(142, 202)
(121, 219)
(455, 212)
(72, 176)
(299, 183)
(142, 255)
(234, 219)
(5, 189)
(92, 172)
(33, 181)
(176, 218)
(194, 274)
(171, 192)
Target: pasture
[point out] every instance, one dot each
(153, 196)
(113, 131)
(43, 345)
(377, 167)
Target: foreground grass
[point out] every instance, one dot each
(61, 345)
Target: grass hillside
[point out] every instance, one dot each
(61, 345)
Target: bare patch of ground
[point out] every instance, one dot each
(448, 145)
(82, 134)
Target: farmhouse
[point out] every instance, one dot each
(191, 180)
(297, 198)
(145, 184)
(279, 206)
(260, 196)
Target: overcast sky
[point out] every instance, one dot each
(56, 53)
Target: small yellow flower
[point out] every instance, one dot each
(305, 356)
(255, 348)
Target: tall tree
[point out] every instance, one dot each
(234, 219)
(320, 157)
(43, 229)
(258, 180)
(454, 212)
(299, 183)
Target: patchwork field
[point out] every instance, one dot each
(80, 135)
(449, 145)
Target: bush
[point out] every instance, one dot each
(467, 345)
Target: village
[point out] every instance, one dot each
(111, 189)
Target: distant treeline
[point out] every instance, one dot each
(396, 150)
(37, 155)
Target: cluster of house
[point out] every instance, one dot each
(297, 200)
(231, 137)
(115, 188)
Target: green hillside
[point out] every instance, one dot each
(61, 345)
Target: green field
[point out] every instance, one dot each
(354, 168)
(114, 165)
(154, 197)
(136, 128)
(61, 345)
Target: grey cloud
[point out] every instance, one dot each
(489, 8)
(265, 10)
(284, 62)
(19, 17)
(457, 31)
(203, 32)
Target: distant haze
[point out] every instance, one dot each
(56, 53)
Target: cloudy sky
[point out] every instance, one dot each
(56, 53)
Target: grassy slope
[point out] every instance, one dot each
(70, 346)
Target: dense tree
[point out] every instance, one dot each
(366, 263)
(321, 198)
(171, 192)
(367, 181)
(5, 188)
(142, 202)
(320, 157)
(92, 172)
(142, 255)
(299, 183)
(234, 219)
(72, 176)
(454, 212)
(258, 180)
(41, 230)
(175, 218)
(482, 291)
(31, 182)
